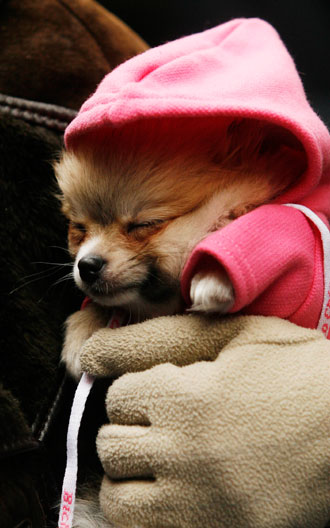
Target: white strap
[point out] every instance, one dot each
(324, 321)
(70, 476)
(78, 406)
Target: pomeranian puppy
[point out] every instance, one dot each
(139, 203)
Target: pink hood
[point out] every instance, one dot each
(240, 68)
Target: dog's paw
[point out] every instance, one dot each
(211, 292)
(80, 326)
(75, 337)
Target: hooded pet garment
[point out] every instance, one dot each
(240, 69)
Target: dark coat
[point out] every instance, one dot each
(52, 55)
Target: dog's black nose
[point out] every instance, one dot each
(90, 268)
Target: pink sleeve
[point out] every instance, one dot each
(273, 256)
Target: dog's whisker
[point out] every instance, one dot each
(136, 265)
(47, 272)
(138, 314)
(60, 247)
(43, 272)
(130, 316)
(66, 278)
(159, 278)
(58, 264)
(36, 277)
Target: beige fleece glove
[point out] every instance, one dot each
(240, 438)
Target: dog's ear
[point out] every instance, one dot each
(252, 141)
(284, 149)
(266, 138)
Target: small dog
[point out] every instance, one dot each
(138, 203)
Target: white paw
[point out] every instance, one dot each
(211, 292)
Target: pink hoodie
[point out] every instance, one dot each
(274, 254)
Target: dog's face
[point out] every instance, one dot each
(130, 234)
(135, 215)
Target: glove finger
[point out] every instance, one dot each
(164, 502)
(133, 398)
(130, 502)
(128, 452)
(180, 340)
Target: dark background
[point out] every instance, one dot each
(303, 25)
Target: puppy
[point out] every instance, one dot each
(138, 202)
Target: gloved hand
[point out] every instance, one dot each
(240, 438)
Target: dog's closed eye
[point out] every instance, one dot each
(78, 226)
(77, 233)
(143, 229)
(133, 226)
